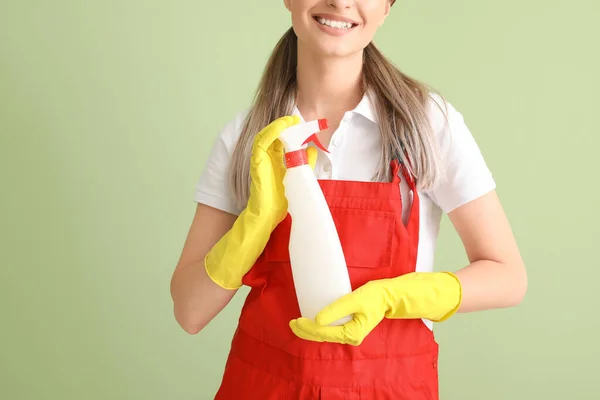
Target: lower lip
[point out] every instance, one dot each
(333, 31)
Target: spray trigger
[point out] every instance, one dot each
(313, 138)
(323, 124)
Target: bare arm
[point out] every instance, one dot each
(197, 299)
(496, 276)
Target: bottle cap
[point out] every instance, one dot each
(296, 158)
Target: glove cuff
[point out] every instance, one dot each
(214, 271)
(452, 295)
(237, 251)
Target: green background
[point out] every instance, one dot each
(107, 113)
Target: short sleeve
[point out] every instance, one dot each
(465, 174)
(213, 187)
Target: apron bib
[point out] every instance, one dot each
(396, 361)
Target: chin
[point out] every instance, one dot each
(338, 47)
(335, 48)
(338, 52)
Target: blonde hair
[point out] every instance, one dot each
(401, 104)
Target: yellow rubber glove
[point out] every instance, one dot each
(431, 295)
(236, 252)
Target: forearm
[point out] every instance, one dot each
(197, 299)
(489, 284)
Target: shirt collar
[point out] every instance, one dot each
(364, 108)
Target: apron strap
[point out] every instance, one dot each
(397, 167)
(410, 179)
(412, 224)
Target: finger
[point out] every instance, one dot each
(312, 154)
(309, 330)
(271, 132)
(359, 328)
(262, 141)
(343, 307)
(277, 148)
(306, 334)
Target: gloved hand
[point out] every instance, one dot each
(236, 252)
(431, 295)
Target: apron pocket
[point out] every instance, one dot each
(367, 236)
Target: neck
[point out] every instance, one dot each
(327, 87)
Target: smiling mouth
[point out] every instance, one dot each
(335, 24)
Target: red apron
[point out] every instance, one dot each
(396, 361)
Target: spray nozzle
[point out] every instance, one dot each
(322, 124)
(297, 136)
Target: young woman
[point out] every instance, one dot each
(399, 156)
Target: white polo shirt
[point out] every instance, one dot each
(354, 154)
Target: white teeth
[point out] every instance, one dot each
(334, 24)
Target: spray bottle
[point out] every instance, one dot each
(317, 261)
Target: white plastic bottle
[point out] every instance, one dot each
(318, 264)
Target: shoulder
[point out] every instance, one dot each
(213, 188)
(232, 129)
(453, 136)
(445, 119)
(463, 174)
